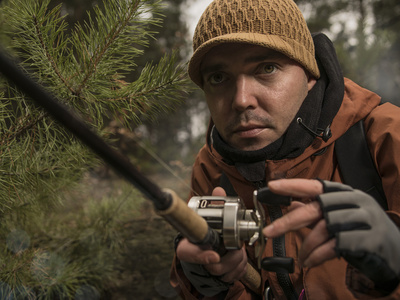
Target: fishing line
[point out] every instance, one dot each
(156, 157)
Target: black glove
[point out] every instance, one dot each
(205, 283)
(366, 237)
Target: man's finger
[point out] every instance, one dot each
(219, 191)
(317, 237)
(296, 219)
(321, 254)
(296, 187)
(191, 253)
(230, 266)
(238, 272)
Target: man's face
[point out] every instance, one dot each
(253, 93)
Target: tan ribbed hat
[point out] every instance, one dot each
(275, 24)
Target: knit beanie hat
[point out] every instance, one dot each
(275, 24)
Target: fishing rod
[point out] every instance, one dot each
(166, 202)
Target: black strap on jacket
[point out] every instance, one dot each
(356, 165)
(226, 184)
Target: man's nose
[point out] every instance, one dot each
(244, 96)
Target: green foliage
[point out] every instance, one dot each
(155, 91)
(87, 68)
(55, 253)
(70, 247)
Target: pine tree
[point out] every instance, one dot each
(46, 251)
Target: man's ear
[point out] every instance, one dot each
(311, 81)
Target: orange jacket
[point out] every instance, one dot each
(334, 279)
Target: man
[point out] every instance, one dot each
(278, 104)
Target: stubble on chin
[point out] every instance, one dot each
(231, 127)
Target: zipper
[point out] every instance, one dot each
(278, 245)
(279, 250)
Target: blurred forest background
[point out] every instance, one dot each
(71, 228)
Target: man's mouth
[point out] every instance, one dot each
(249, 131)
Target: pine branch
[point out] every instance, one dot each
(159, 88)
(24, 124)
(47, 53)
(38, 39)
(112, 35)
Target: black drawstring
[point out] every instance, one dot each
(325, 135)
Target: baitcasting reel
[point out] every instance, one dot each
(236, 224)
(230, 218)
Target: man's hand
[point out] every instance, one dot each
(209, 273)
(317, 246)
(344, 222)
(228, 268)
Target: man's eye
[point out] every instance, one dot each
(268, 68)
(217, 78)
